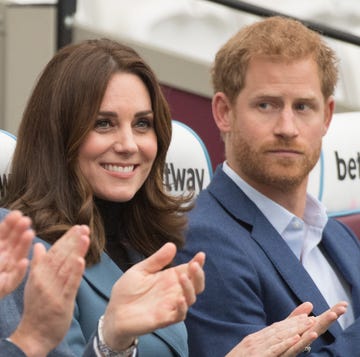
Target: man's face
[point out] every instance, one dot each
(277, 123)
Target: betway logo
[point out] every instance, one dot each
(347, 167)
(184, 179)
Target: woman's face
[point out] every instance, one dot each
(117, 155)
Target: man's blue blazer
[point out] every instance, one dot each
(252, 277)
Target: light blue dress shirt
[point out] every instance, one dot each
(303, 237)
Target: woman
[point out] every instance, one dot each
(91, 150)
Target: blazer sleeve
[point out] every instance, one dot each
(9, 349)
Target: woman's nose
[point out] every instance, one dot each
(125, 141)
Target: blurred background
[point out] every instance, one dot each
(178, 38)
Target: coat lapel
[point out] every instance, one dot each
(346, 256)
(288, 266)
(174, 337)
(103, 276)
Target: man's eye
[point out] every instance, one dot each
(264, 105)
(302, 106)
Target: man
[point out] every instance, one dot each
(269, 245)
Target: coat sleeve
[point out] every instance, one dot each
(9, 349)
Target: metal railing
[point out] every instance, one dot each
(67, 8)
(65, 13)
(264, 12)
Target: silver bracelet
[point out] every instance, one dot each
(107, 351)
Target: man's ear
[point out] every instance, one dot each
(222, 109)
(329, 111)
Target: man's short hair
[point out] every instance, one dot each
(278, 38)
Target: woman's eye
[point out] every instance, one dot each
(144, 123)
(102, 124)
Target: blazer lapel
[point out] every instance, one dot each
(268, 239)
(289, 267)
(173, 338)
(103, 276)
(345, 253)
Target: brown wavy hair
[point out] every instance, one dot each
(46, 183)
(276, 37)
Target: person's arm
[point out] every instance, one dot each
(147, 297)
(15, 241)
(289, 337)
(244, 293)
(50, 293)
(144, 288)
(9, 349)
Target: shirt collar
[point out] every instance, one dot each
(315, 212)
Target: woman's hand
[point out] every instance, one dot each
(146, 297)
(15, 241)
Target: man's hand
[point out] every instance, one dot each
(321, 324)
(289, 337)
